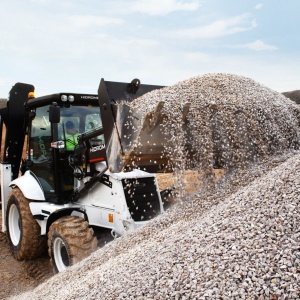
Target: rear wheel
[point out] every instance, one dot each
(70, 239)
(22, 229)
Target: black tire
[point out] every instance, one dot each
(70, 239)
(22, 229)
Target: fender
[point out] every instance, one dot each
(46, 213)
(29, 186)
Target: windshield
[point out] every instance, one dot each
(74, 121)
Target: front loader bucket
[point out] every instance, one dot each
(142, 139)
(131, 142)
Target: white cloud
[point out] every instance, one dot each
(41, 1)
(62, 3)
(3, 80)
(60, 36)
(81, 21)
(196, 57)
(159, 7)
(221, 27)
(258, 6)
(259, 45)
(76, 43)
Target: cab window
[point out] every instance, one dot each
(39, 150)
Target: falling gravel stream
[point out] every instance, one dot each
(235, 238)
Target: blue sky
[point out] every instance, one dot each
(69, 45)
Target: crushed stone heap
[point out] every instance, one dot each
(231, 120)
(243, 246)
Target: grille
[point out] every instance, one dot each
(141, 197)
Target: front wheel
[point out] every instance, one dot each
(22, 229)
(70, 239)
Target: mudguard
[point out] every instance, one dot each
(29, 186)
(46, 213)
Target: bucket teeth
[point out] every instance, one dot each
(185, 110)
(152, 118)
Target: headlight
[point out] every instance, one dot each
(71, 98)
(64, 98)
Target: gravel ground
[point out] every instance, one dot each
(237, 238)
(229, 243)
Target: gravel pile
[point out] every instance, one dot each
(231, 120)
(236, 239)
(218, 244)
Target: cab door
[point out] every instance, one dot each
(39, 149)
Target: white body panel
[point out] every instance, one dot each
(108, 204)
(105, 205)
(26, 183)
(29, 187)
(5, 190)
(45, 209)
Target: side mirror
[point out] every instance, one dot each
(54, 113)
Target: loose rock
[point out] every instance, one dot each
(235, 239)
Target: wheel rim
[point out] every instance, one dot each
(14, 225)
(60, 253)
